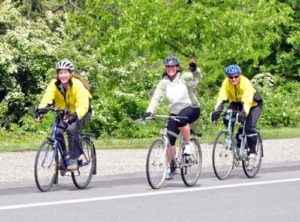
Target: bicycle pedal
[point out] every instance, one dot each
(169, 178)
(236, 163)
(63, 173)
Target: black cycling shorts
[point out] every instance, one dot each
(192, 113)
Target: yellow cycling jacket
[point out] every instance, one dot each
(75, 99)
(243, 92)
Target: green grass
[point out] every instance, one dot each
(11, 142)
(280, 133)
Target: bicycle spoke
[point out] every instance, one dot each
(86, 163)
(192, 165)
(45, 167)
(222, 156)
(259, 150)
(156, 166)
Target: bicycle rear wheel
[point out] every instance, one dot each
(157, 164)
(45, 166)
(86, 164)
(192, 165)
(222, 156)
(258, 159)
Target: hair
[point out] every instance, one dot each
(83, 80)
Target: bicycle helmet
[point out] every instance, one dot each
(171, 61)
(233, 69)
(65, 64)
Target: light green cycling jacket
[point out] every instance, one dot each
(179, 92)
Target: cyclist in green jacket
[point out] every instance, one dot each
(177, 86)
(239, 92)
(70, 94)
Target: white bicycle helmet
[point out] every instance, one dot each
(65, 64)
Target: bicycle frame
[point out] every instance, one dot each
(227, 153)
(164, 135)
(51, 159)
(58, 148)
(56, 144)
(240, 152)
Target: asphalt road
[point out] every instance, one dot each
(274, 195)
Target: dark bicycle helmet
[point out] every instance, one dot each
(233, 69)
(171, 61)
(65, 64)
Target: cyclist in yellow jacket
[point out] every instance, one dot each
(68, 93)
(240, 93)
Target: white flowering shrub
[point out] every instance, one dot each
(28, 48)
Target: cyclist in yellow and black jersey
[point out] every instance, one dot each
(70, 94)
(242, 96)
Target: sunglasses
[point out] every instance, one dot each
(234, 77)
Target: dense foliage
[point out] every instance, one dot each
(119, 45)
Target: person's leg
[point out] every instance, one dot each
(250, 127)
(184, 126)
(192, 119)
(186, 133)
(73, 140)
(61, 127)
(73, 132)
(171, 151)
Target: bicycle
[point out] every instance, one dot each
(157, 164)
(50, 159)
(226, 155)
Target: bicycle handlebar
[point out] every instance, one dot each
(142, 120)
(51, 108)
(229, 111)
(60, 113)
(166, 117)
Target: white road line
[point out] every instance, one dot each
(154, 193)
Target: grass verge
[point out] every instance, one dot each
(26, 142)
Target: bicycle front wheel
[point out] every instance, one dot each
(86, 164)
(192, 165)
(222, 156)
(258, 159)
(45, 166)
(157, 164)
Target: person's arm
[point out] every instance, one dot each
(49, 95)
(82, 100)
(222, 97)
(197, 74)
(248, 94)
(157, 97)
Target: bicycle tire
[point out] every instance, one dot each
(222, 156)
(86, 164)
(259, 155)
(157, 164)
(45, 166)
(191, 170)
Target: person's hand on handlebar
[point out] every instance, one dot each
(214, 116)
(38, 115)
(148, 115)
